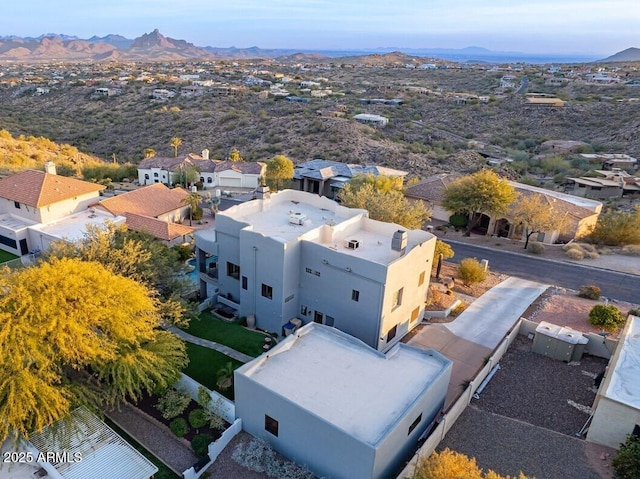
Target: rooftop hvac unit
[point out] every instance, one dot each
(353, 244)
(297, 218)
(399, 240)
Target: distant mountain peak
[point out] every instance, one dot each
(629, 55)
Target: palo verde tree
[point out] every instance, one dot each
(449, 464)
(481, 192)
(175, 144)
(617, 228)
(279, 169)
(72, 333)
(140, 257)
(234, 155)
(382, 196)
(537, 215)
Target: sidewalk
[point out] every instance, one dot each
(226, 350)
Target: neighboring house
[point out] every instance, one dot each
(298, 255)
(616, 410)
(212, 173)
(370, 119)
(612, 161)
(326, 178)
(78, 446)
(154, 209)
(580, 214)
(330, 402)
(38, 207)
(564, 146)
(595, 187)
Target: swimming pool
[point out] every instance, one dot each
(193, 273)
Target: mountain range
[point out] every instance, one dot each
(154, 46)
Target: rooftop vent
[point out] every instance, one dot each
(399, 240)
(353, 244)
(297, 218)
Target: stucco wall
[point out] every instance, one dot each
(612, 422)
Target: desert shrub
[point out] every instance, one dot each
(606, 317)
(589, 291)
(627, 462)
(575, 254)
(197, 418)
(200, 444)
(260, 457)
(591, 255)
(471, 271)
(197, 214)
(458, 310)
(634, 312)
(631, 250)
(444, 249)
(179, 426)
(434, 297)
(458, 220)
(173, 403)
(449, 464)
(536, 248)
(617, 228)
(586, 247)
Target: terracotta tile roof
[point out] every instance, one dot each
(169, 163)
(38, 189)
(159, 229)
(153, 200)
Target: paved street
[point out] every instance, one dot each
(613, 284)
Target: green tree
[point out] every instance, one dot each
(385, 201)
(72, 332)
(606, 316)
(234, 155)
(617, 228)
(536, 214)
(443, 249)
(482, 192)
(192, 200)
(140, 257)
(627, 462)
(175, 144)
(279, 169)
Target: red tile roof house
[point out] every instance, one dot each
(39, 207)
(154, 209)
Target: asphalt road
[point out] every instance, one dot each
(614, 285)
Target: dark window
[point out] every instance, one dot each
(8, 242)
(397, 298)
(596, 188)
(267, 291)
(421, 279)
(16, 204)
(155, 175)
(233, 270)
(244, 282)
(271, 425)
(202, 179)
(328, 320)
(146, 176)
(414, 424)
(355, 295)
(209, 180)
(392, 333)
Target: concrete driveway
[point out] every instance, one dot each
(473, 335)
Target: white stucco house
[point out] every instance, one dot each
(616, 410)
(211, 173)
(39, 207)
(297, 255)
(344, 410)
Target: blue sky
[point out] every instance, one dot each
(534, 26)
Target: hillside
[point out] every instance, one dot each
(628, 55)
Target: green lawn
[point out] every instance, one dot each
(163, 471)
(5, 256)
(230, 334)
(204, 364)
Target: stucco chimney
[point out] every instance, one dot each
(263, 193)
(50, 167)
(205, 154)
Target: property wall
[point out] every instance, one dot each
(303, 437)
(612, 422)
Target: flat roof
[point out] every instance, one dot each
(74, 227)
(273, 217)
(345, 382)
(624, 385)
(14, 223)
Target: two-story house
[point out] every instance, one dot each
(298, 255)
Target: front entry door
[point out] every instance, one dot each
(317, 317)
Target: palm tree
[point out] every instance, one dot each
(192, 200)
(149, 152)
(225, 376)
(175, 143)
